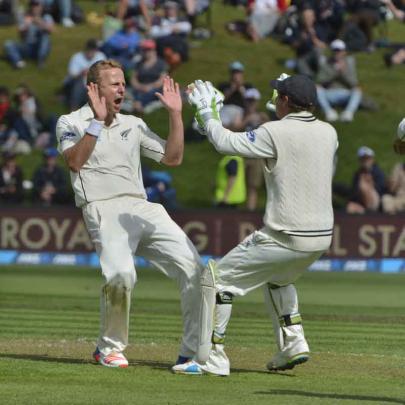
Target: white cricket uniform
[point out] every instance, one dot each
(298, 153)
(121, 221)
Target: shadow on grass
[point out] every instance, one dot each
(332, 396)
(158, 365)
(71, 360)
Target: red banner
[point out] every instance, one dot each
(212, 231)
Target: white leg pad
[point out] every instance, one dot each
(282, 304)
(207, 308)
(218, 362)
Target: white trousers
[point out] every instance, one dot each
(121, 227)
(258, 260)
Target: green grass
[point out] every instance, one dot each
(355, 325)
(209, 60)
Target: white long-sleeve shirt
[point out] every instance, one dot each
(298, 152)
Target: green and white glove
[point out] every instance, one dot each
(271, 104)
(207, 101)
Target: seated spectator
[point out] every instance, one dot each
(252, 119)
(35, 29)
(7, 115)
(123, 45)
(397, 56)
(234, 100)
(263, 18)
(11, 180)
(74, 86)
(394, 202)
(366, 14)
(49, 182)
(158, 187)
(329, 17)
(140, 9)
(338, 84)
(368, 184)
(230, 190)
(147, 78)
(309, 41)
(170, 33)
(61, 10)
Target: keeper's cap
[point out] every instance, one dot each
(299, 89)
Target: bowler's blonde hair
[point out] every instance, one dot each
(93, 75)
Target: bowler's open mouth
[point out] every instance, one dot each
(118, 101)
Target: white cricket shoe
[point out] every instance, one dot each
(113, 359)
(281, 361)
(189, 368)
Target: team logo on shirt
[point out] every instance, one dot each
(67, 135)
(251, 136)
(124, 134)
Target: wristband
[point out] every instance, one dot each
(95, 128)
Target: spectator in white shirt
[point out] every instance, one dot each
(74, 87)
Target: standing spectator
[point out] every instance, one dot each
(11, 179)
(147, 78)
(234, 91)
(49, 182)
(74, 86)
(338, 84)
(395, 201)
(230, 188)
(123, 45)
(252, 119)
(368, 184)
(35, 29)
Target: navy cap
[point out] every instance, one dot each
(300, 89)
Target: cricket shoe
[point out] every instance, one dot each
(281, 361)
(182, 360)
(188, 368)
(113, 359)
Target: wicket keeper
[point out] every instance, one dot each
(297, 152)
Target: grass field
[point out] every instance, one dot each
(355, 324)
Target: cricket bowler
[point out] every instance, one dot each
(297, 152)
(102, 149)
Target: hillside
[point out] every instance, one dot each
(209, 60)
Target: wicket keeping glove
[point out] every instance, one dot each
(206, 101)
(271, 104)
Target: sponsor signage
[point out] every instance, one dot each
(213, 232)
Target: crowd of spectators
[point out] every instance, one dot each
(47, 187)
(151, 39)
